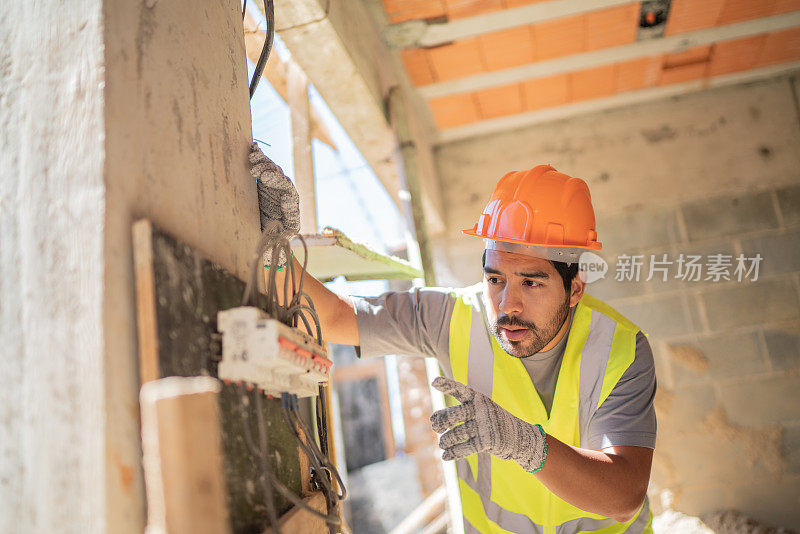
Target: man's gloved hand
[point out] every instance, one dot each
(486, 427)
(277, 197)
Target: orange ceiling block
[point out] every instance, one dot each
(454, 110)
(592, 83)
(686, 66)
(785, 6)
(400, 10)
(546, 92)
(638, 73)
(689, 15)
(459, 9)
(735, 55)
(739, 10)
(418, 66)
(499, 101)
(560, 37)
(456, 60)
(612, 27)
(507, 48)
(780, 47)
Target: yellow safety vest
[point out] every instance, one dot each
(498, 495)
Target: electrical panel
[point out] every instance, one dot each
(260, 351)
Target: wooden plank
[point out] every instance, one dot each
(182, 456)
(301, 147)
(299, 521)
(178, 298)
(145, 301)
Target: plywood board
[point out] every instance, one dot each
(179, 293)
(333, 254)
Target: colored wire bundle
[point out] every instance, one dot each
(296, 304)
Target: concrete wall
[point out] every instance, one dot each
(177, 135)
(716, 172)
(111, 111)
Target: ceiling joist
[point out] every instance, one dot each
(421, 33)
(521, 120)
(577, 62)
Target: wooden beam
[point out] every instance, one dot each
(299, 108)
(275, 73)
(420, 33)
(651, 47)
(182, 456)
(522, 120)
(339, 47)
(409, 177)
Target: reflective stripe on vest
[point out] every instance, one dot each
(498, 495)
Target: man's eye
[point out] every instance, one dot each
(493, 280)
(531, 283)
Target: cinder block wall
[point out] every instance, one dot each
(711, 173)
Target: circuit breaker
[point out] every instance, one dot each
(270, 355)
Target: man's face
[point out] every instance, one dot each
(527, 301)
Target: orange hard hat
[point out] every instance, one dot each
(540, 212)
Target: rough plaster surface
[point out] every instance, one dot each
(177, 136)
(713, 172)
(51, 267)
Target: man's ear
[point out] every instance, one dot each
(576, 290)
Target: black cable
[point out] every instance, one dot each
(322, 420)
(322, 459)
(269, 14)
(286, 408)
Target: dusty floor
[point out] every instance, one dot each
(730, 522)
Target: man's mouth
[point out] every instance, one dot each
(514, 333)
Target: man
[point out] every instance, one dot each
(555, 426)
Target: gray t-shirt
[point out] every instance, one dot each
(417, 322)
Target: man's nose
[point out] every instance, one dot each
(510, 303)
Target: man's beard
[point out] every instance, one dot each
(539, 337)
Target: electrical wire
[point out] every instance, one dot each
(269, 482)
(269, 15)
(296, 307)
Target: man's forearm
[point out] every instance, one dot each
(611, 483)
(336, 314)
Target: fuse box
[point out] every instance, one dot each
(260, 351)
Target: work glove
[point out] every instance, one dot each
(479, 424)
(277, 197)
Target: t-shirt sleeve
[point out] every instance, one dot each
(628, 417)
(414, 322)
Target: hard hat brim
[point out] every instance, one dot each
(566, 254)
